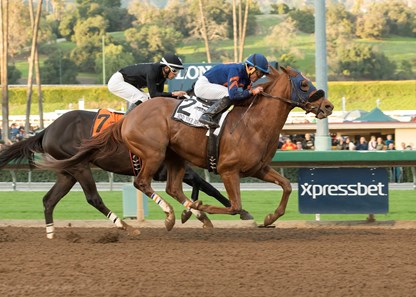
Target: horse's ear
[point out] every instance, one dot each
(274, 71)
(285, 70)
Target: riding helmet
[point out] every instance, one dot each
(259, 62)
(172, 61)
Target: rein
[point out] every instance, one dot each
(300, 102)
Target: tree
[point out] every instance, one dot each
(340, 31)
(279, 8)
(372, 24)
(151, 42)
(32, 62)
(58, 69)
(387, 17)
(4, 31)
(359, 61)
(13, 74)
(118, 19)
(285, 35)
(116, 57)
(304, 19)
(67, 24)
(87, 35)
(21, 29)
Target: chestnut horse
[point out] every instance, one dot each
(248, 143)
(61, 140)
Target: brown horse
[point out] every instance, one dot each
(249, 141)
(61, 140)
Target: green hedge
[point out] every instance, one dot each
(394, 95)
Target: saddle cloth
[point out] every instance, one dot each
(190, 110)
(105, 118)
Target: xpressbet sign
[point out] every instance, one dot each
(343, 190)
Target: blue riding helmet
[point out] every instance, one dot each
(259, 62)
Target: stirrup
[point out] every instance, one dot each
(207, 120)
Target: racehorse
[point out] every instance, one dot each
(61, 140)
(249, 141)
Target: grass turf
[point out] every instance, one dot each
(28, 205)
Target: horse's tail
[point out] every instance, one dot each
(22, 150)
(102, 146)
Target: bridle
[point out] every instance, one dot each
(300, 98)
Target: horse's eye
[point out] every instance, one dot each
(304, 85)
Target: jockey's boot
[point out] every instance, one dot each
(132, 106)
(217, 108)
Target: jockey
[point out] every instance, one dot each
(128, 81)
(229, 82)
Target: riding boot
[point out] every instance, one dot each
(209, 116)
(132, 106)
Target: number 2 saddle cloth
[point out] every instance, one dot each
(188, 112)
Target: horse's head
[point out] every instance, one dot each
(305, 95)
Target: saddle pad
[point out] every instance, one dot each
(190, 110)
(104, 119)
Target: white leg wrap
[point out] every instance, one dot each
(187, 204)
(50, 231)
(163, 205)
(196, 212)
(115, 220)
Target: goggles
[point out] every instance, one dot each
(173, 70)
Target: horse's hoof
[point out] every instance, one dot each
(124, 226)
(208, 224)
(245, 215)
(371, 218)
(170, 221)
(186, 214)
(50, 236)
(205, 221)
(269, 219)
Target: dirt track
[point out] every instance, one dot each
(219, 262)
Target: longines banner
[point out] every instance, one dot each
(343, 190)
(187, 77)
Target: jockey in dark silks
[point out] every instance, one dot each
(229, 82)
(128, 81)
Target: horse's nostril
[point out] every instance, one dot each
(329, 106)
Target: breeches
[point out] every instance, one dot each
(120, 88)
(206, 90)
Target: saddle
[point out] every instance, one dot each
(104, 119)
(188, 111)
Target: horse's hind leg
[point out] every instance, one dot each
(84, 176)
(270, 175)
(143, 183)
(176, 172)
(64, 183)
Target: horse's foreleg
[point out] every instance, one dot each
(270, 175)
(64, 183)
(84, 176)
(176, 172)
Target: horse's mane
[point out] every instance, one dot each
(271, 78)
